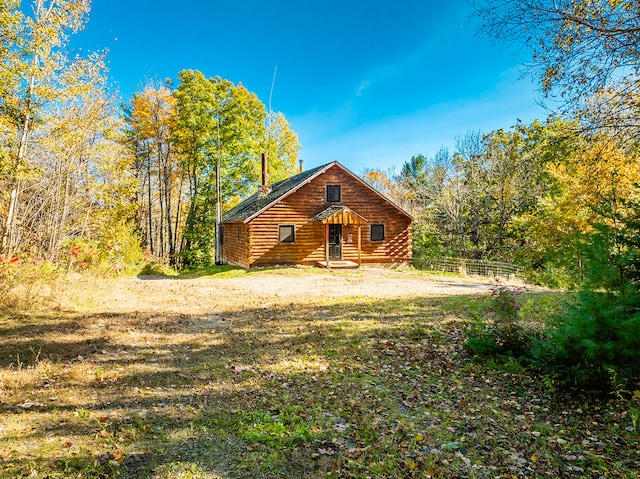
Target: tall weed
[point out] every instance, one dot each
(26, 285)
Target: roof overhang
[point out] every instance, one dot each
(340, 215)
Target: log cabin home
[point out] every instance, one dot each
(326, 216)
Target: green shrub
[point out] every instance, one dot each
(425, 241)
(120, 248)
(550, 274)
(498, 331)
(157, 268)
(595, 343)
(194, 258)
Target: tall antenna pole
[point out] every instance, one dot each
(273, 82)
(268, 145)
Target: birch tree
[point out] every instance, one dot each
(69, 153)
(65, 176)
(38, 74)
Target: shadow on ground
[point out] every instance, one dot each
(350, 388)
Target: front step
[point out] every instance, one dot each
(342, 264)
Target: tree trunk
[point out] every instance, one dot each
(167, 189)
(8, 238)
(149, 214)
(175, 228)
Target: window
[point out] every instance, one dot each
(333, 193)
(377, 233)
(287, 234)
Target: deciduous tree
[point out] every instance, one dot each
(584, 52)
(219, 123)
(282, 147)
(38, 74)
(471, 201)
(160, 176)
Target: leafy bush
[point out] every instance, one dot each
(499, 331)
(425, 241)
(550, 274)
(117, 251)
(120, 248)
(157, 268)
(193, 258)
(80, 255)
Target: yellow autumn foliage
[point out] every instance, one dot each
(593, 186)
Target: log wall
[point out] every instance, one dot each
(235, 250)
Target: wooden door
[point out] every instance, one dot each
(335, 242)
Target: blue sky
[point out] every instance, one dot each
(368, 83)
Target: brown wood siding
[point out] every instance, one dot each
(308, 248)
(235, 252)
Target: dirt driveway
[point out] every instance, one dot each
(260, 288)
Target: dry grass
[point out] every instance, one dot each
(205, 379)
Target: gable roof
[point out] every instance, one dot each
(256, 203)
(341, 213)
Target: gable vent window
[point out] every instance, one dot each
(333, 193)
(287, 234)
(377, 232)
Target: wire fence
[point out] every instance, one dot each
(467, 267)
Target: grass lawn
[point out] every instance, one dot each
(350, 387)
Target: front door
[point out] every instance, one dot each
(335, 242)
